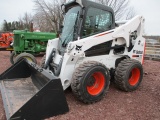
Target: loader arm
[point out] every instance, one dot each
(124, 31)
(135, 24)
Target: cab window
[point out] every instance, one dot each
(96, 21)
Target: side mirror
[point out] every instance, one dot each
(63, 8)
(58, 34)
(60, 28)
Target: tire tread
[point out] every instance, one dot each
(78, 75)
(121, 72)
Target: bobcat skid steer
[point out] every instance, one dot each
(90, 47)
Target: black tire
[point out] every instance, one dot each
(84, 82)
(26, 56)
(128, 75)
(43, 61)
(12, 57)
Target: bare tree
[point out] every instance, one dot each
(121, 8)
(48, 14)
(130, 13)
(25, 21)
(5, 26)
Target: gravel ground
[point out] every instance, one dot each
(142, 104)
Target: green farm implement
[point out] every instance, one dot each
(26, 44)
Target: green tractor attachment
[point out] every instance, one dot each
(32, 43)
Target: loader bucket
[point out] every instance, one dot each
(24, 100)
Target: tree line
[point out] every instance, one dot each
(21, 24)
(48, 15)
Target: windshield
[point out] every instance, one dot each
(69, 25)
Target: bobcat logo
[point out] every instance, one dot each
(137, 52)
(78, 48)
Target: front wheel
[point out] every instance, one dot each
(27, 56)
(90, 82)
(128, 75)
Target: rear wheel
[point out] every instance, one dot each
(128, 75)
(27, 56)
(90, 82)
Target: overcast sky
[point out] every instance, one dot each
(150, 9)
(10, 10)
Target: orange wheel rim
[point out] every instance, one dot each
(134, 76)
(98, 85)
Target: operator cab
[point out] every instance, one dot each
(84, 18)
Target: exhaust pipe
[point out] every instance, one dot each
(24, 99)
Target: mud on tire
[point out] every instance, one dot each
(90, 82)
(128, 75)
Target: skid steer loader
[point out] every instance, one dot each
(90, 47)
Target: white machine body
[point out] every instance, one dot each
(75, 52)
